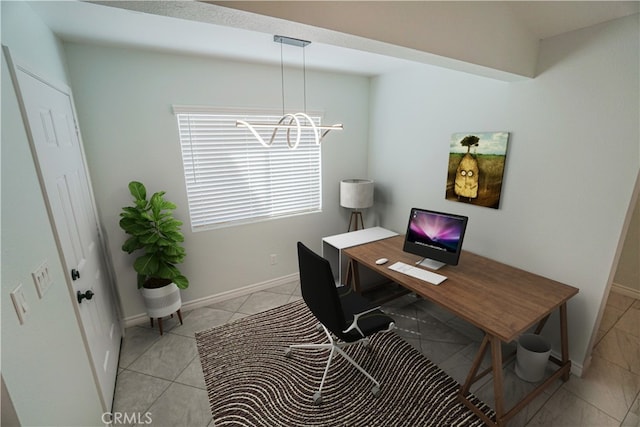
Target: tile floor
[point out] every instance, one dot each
(162, 375)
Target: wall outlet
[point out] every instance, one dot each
(42, 279)
(20, 303)
(274, 259)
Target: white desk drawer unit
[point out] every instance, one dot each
(332, 247)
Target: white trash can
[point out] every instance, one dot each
(531, 357)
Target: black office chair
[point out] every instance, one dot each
(346, 317)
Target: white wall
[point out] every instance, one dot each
(124, 100)
(44, 364)
(627, 277)
(572, 158)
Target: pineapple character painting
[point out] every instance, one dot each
(466, 182)
(476, 167)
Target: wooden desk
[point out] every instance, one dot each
(502, 301)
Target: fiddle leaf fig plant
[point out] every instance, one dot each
(153, 229)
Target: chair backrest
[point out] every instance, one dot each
(319, 290)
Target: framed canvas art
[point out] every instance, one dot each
(476, 167)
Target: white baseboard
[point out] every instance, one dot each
(624, 290)
(577, 369)
(141, 318)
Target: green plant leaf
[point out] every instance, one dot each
(167, 270)
(142, 278)
(147, 216)
(163, 273)
(149, 238)
(132, 244)
(166, 205)
(153, 248)
(142, 205)
(126, 224)
(165, 214)
(156, 202)
(138, 228)
(175, 236)
(169, 226)
(177, 259)
(164, 243)
(173, 250)
(134, 226)
(146, 264)
(130, 212)
(181, 282)
(137, 190)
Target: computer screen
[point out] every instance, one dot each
(436, 236)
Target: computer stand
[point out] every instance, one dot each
(431, 264)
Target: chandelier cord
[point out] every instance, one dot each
(304, 78)
(290, 121)
(282, 77)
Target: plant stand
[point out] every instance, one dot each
(162, 302)
(160, 320)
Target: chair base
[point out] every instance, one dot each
(336, 347)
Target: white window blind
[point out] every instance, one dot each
(231, 178)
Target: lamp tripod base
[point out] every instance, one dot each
(356, 216)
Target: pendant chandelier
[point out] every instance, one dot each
(296, 122)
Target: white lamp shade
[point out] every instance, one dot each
(356, 193)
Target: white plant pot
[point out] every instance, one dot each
(161, 302)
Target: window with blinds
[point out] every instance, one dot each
(231, 178)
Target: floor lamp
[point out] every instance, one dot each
(356, 194)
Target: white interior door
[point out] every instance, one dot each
(56, 145)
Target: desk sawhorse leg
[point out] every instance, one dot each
(495, 344)
(352, 276)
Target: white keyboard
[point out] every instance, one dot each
(418, 273)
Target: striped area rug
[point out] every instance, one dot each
(251, 382)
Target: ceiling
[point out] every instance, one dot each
(551, 18)
(391, 34)
(542, 18)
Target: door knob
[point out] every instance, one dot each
(75, 274)
(87, 295)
